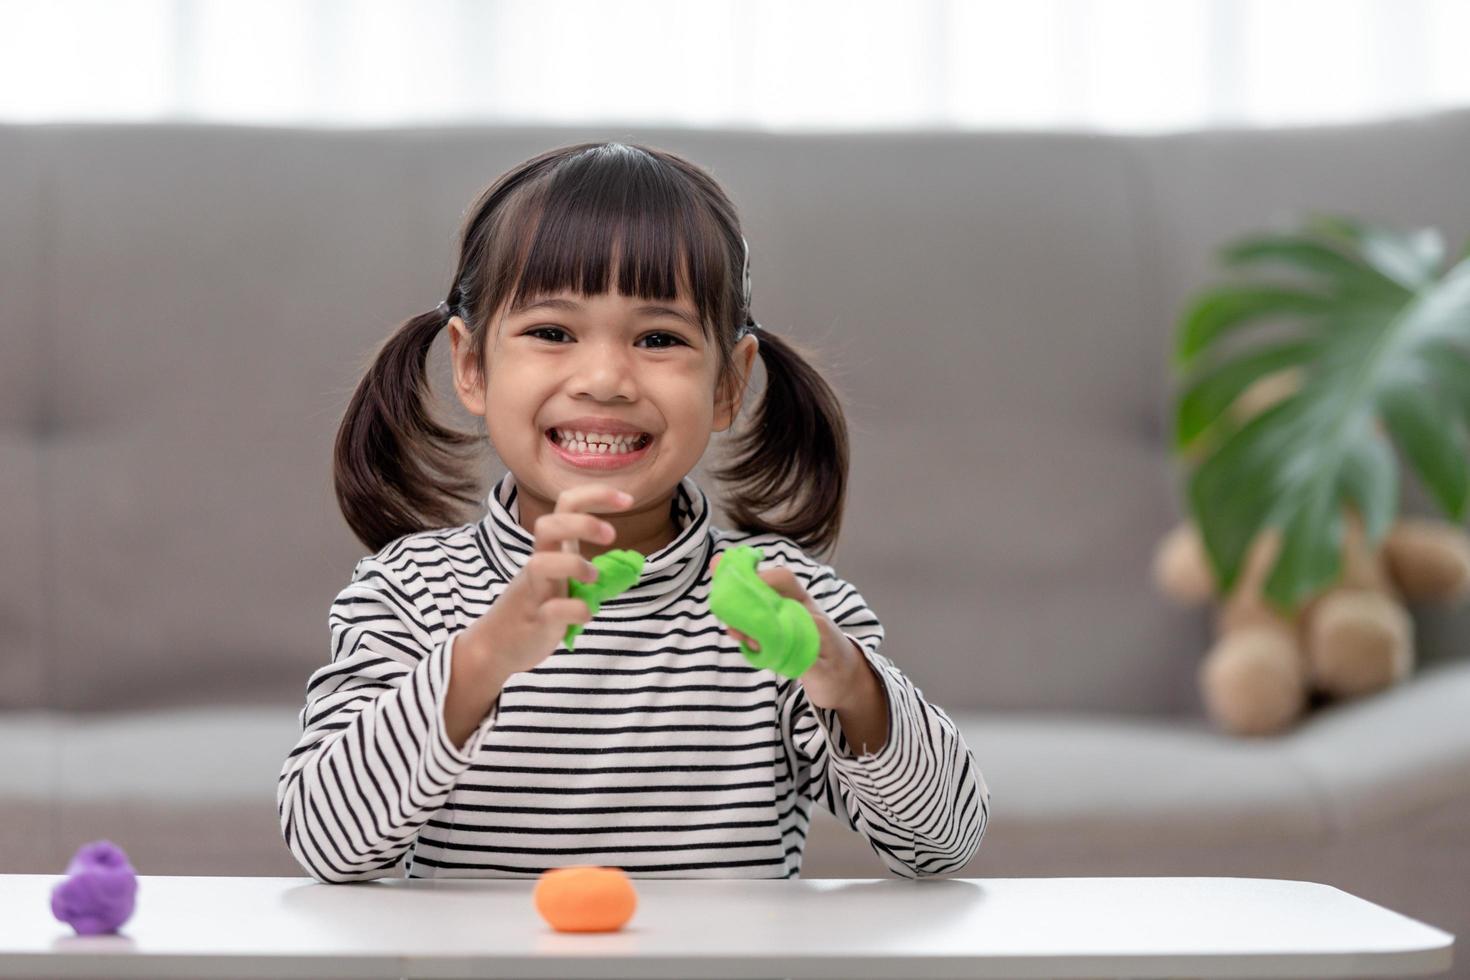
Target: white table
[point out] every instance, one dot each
(889, 927)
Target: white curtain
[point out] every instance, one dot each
(1132, 65)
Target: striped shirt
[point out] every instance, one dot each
(653, 746)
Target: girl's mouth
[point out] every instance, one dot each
(597, 455)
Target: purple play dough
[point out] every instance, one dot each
(98, 892)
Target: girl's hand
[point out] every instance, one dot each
(524, 625)
(834, 679)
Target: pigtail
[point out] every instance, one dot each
(397, 470)
(794, 451)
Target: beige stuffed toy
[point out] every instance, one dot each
(1352, 639)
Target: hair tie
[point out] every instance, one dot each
(749, 326)
(443, 308)
(745, 275)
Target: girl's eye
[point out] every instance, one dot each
(676, 340)
(558, 330)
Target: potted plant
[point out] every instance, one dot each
(1293, 498)
(1378, 331)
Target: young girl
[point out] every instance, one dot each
(599, 321)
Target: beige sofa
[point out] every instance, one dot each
(185, 309)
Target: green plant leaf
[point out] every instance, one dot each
(1216, 389)
(1432, 438)
(1231, 494)
(1439, 313)
(1311, 545)
(1382, 345)
(1317, 258)
(1410, 259)
(1370, 480)
(1222, 310)
(1449, 368)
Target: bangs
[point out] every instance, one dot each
(618, 211)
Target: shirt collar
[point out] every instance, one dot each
(668, 573)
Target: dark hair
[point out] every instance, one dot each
(553, 223)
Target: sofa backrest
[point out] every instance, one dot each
(184, 311)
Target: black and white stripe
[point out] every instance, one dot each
(653, 746)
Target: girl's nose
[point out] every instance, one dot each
(605, 371)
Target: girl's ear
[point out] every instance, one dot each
(727, 403)
(469, 378)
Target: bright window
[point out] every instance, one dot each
(1135, 65)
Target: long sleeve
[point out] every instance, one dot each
(921, 801)
(374, 760)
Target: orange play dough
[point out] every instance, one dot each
(585, 898)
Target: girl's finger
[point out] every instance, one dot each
(563, 612)
(548, 565)
(747, 640)
(549, 571)
(563, 531)
(590, 497)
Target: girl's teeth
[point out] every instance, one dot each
(578, 442)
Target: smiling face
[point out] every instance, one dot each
(644, 363)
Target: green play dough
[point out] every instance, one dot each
(783, 627)
(617, 572)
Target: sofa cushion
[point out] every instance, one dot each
(1384, 758)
